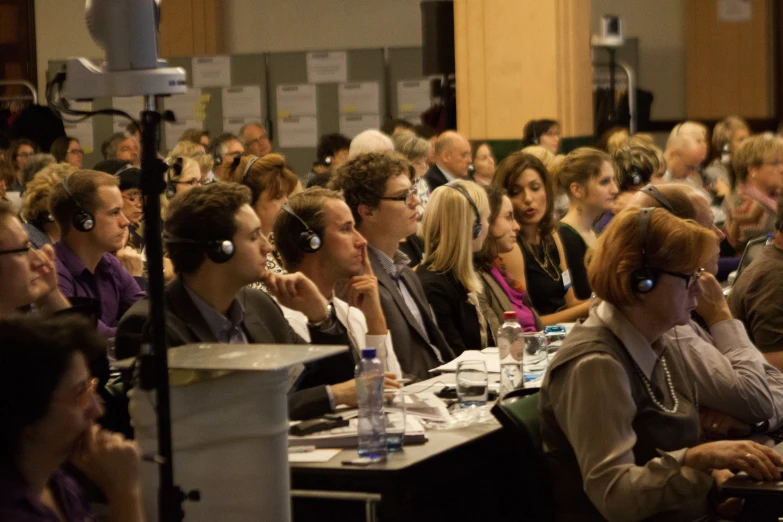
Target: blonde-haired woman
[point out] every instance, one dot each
(587, 177)
(39, 223)
(196, 151)
(454, 227)
(727, 136)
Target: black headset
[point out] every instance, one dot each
(652, 191)
(83, 221)
(171, 186)
(476, 224)
(643, 279)
(218, 250)
(632, 177)
(308, 241)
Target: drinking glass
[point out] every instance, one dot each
(535, 351)
(472, 383)
(394, 411)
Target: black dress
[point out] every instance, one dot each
(575, 250)
(544, 278)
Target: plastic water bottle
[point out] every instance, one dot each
(770, 239)
(369, 394)
(511, 349)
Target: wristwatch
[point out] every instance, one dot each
(326, 322)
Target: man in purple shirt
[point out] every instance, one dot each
(88, 208)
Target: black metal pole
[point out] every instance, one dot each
(154, 362)
(613, 102)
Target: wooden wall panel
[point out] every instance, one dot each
(191, 27)
(728, 64)
(522, 59)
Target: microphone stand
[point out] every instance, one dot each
(153, 358)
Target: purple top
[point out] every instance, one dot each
(19, 504)
(111, 285)
(517, 298)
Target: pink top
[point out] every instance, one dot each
(517, 297)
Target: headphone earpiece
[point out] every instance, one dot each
(308, 241)
(632, 176)
(83, 221)
(477, 227)
(171, 186)
(218, 250)
(643, 279)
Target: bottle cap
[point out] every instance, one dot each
(368, 353)
(509, 316)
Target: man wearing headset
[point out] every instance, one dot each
(214, 239)
(224, 149)
(87, 207)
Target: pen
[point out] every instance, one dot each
(301, 449)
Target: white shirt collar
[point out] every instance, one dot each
(449, 176)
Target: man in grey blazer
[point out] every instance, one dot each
(379, 192)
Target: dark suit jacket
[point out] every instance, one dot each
(416, 356)
(435, 178)
(264, 324)
(457, 318)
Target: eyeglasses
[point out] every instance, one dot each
(773, 164)
(192, 182)
(25, 249)
(689, 278)
(76, 151)
(82, 398)
(407, 198)
(25, 154)
(133, 197)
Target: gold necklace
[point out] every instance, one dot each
(547, 260)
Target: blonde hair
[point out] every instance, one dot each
(447, 228)
(36, 195)
(579, 166)
(617, 140)
(691, 129)
(724, 131)
(188, 149)
(753, 152)
(674, 244)
(545, 155)
(411, 146)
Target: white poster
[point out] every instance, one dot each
(233, 125)
(734, 11)
(413, 98)
(297, 131)
(296, 100)
(351, 125)
(211, 71)
(175, 129)
(82, 131)
(359, 98)
(133, 105)
(327, 67)
(242, 102)
(187, 106)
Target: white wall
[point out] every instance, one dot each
(660, 27)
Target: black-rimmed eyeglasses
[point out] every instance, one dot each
(407, 198)
(688, 278)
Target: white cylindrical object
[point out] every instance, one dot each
(230, 438)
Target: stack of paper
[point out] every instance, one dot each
(490, 359)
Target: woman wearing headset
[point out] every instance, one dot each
(454, 228)
(625, 445)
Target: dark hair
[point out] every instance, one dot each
(59, 147)
(193, 135)
(83, 185)
(534, 129)
(6, 211)
(269, 173)
(475, 145)
(16, 145)
(363, 179)
(331, 144)
(389, 125)
(506, 175)
(309, 206)
(217, 143)
(37, 352)
(206, 213)
(489, 250)
(425, 131)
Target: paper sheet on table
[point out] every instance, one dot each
(295, 100)
(242, 102)
(359, 98)
(211, 71)
(327, 67)
(350, 126)
(297, 131)
(318, 455)
(490, 359)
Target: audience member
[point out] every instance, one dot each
(542, 132)
(87, 207)
(196, 136)
(132, 200)
(646, 413)
(613, 139)
(416, 150)
(27, 276)
(539, 264)
(543, 154)
(332, 151)
(39, 222)
(122, 146)
(20, 152)
(66, 149)
(756, 299)
(377, 188)
(587, 176)
(54, 421)
(753, 211)
(391, 127)
(226, 150)
(483, 163)
(340, 259)
(685, 151)
(182, 175)
(502, 293)
(214, 239)
(255, 139)
(196, 151)
(34, 165)
(452, 159)
(370, 140)
(454, 228)
(727, 136)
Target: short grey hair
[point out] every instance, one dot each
(371, 140)
(34, 165)
(109, 147)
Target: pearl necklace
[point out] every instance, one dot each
(649, 389)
